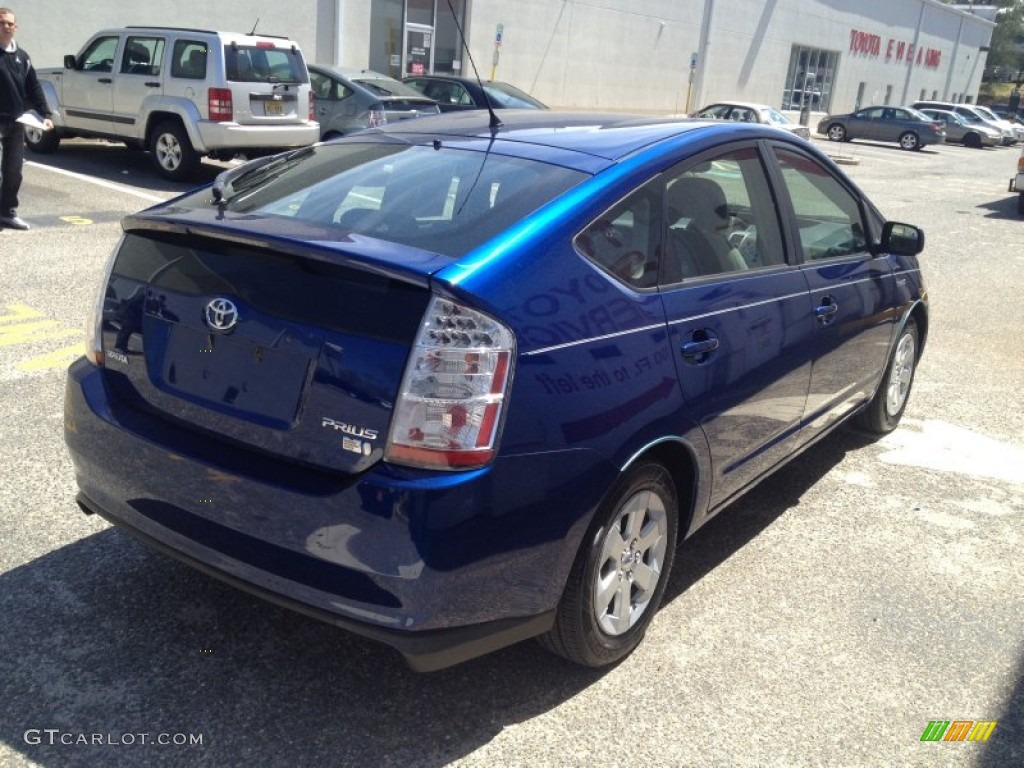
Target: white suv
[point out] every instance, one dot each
(181, 94)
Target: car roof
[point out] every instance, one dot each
(220, 34)
(747, 104)
(566, 138)
(350, 73)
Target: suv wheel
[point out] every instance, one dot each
(620, 572)
(172, 152)
(43, 142)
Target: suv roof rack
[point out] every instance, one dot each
(203, 31)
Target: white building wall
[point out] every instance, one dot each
(629, 55)
(49, 29)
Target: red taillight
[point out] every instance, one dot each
(220, 105)
(312, 114)
(265, 44)
(448, 412)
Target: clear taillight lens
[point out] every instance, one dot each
(94, 323)
(220, 105)
(377, 118)
(448, 412)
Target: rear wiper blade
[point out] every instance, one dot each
(235, 181)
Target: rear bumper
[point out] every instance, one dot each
(426, 651)
(219, 137)
(442, 567)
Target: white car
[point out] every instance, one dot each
(1015, 128)
(181, 94)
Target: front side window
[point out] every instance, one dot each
(721, 218)
(828, 216)
(99, 57)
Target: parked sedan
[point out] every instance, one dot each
(454, 94)
(745, 112)
(911, 129)
(972, 134)
(452, 386)
(350, 100)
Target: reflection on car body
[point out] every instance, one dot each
(482, 381)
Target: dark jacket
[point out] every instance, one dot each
(19, 87)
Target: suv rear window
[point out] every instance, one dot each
(259, 64)
(447, 200)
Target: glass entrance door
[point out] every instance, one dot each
(419, 49)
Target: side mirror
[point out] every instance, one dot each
(69, 61)
(901, 239)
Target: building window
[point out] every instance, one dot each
(811, 76)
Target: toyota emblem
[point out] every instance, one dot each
(221, 314)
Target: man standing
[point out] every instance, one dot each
(19, 90)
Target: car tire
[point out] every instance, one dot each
(836, 132)
(910, 141)
(1020, 203)
(43, 142)
(172, 152)
(882, 415)
(972, 140)
(332, 135)
(619, 575)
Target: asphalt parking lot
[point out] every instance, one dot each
(864, 591)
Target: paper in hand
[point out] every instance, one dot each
(32, 119)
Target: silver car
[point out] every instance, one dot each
(745, 112)
(349, 100)
(970, 133)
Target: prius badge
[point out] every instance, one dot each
(221, 314)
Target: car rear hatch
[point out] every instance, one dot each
(398, 101)
(294, 348)
(268, 81)
(396, 109)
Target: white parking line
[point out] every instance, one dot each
(100, 182)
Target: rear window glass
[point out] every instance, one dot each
(255, 64)
(446, 200)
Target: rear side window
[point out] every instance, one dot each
(142, 56)
(188, 60)
(262, 64)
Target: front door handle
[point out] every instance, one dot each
(152, 84)
(105, 80)
(695, 348)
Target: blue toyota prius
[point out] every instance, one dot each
(457, 383)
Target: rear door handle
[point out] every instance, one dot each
(152, 84)
(104, 80)
(825, 311)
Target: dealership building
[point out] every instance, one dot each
(655, 56)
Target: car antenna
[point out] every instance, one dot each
(254, 26)
(495, 123)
